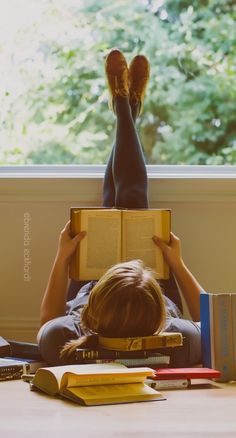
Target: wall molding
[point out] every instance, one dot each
(19, 328)
(88, 191)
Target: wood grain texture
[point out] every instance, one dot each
(200, 412)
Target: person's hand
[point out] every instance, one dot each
(67, 244)
(171, 252)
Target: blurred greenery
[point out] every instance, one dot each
(54, 103)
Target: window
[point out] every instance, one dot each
(53, 94)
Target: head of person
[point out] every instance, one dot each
(127, 301)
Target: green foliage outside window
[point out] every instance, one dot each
(54, 98)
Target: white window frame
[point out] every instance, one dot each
(97, 171)
(167, 184)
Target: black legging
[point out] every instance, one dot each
(125, 180)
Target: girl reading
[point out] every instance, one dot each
(127, 300)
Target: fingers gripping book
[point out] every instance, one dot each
(115, 236)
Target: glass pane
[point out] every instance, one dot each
(53, 94)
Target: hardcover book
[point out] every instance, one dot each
(218, 333)
(127, 358)
(233, 307)
(114, 236)
(5, 349)
(83, 354)
(102, 353)
(162, 340)
(167, 384)
(96, 384)
(13, 368)
(185, 373)
(223, 336)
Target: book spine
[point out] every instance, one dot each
(10, 372)
(25, 350)
(168, 384)
(149, 361)
(166, 227)
(142, 343)
(83, 354)
(171, 340)
(205, 316)
(233, 307)
(130, 363)
(223, 339)
(75, 217)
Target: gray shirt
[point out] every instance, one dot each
(55, 333)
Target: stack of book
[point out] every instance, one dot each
(18, 358)
(14, 368)
(180, 378)
(149, 358)
(138, 351)
(218, 333)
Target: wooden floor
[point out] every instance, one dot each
(199, 412)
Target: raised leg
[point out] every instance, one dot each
(109, 192)
(128, 165)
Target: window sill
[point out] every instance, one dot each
(97, 171)
(84, 184)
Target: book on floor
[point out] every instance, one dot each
(161, 340)
(127, 358)
(161, 385)
(96, 384)
(218, 333)
(26, 350)
(13, 368)
(5, 348)
(115, 235)
(180, 378)
(185, 373)
(102, 353)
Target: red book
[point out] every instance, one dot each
(185, 373)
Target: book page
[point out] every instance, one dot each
(101, 248)
(108, 373)
(53, 379)
(103, 394)
(138, 229)
(103, 379)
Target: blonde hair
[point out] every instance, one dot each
(127, 301)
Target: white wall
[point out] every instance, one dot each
(203, 215)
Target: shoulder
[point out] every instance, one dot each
(81, 298)
(171, 308)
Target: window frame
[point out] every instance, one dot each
(97, 171)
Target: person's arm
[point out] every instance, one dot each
(54, 300)
(188, 284)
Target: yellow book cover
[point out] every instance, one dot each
(114, 236)
(96, 384)
(162, 340)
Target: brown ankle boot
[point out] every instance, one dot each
(117, 74)
(139, 73)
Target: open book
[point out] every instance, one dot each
(114, 236)
(96, 384)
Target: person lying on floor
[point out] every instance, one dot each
(127, 301)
